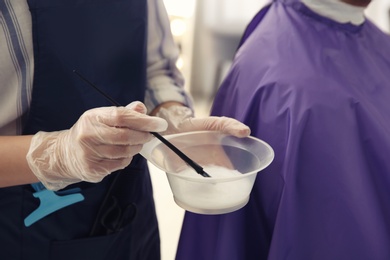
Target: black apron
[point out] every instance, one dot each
(105, 40)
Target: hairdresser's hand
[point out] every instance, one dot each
(180, 119)
(103, 140)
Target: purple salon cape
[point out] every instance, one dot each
(319, 93)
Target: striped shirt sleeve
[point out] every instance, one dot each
(16, 65)
(164, 80)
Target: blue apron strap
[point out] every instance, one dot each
(51, 201)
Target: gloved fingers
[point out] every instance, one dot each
(174, 115)
(180, 119)
(114, 136)
(225, 125)
(116, 151)
(137, 106)
(103, 140)
(124, 117)
(127, 136)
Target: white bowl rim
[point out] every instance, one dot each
(222, 179)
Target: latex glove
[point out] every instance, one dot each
(180, 119)
(103, 140)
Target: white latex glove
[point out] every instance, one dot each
(180, 119)
(103, 140)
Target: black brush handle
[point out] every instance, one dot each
(184, 157)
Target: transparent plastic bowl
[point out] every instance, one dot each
(219, 155)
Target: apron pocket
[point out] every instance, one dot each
(113, 246)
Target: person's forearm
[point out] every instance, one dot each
(14, 169)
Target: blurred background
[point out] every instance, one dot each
(208, 33)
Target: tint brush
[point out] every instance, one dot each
(184, 157)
